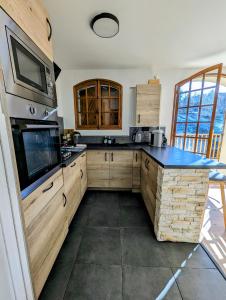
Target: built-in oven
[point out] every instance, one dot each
(28, 73)
(37, 149)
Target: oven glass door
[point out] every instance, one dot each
(40, 150)
(37, 149)
(29, 69)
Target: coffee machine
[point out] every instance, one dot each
(157, 138)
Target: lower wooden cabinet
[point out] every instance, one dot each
(110, 169)
(72, 187)
(83, 173)
(45, 219)
(149, 173)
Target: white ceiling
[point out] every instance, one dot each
(160, 33)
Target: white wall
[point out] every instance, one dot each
(128, 78)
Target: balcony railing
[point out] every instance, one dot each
(202, 143)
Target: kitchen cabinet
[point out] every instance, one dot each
(75, 184)
(33, 18)
(72, 187)
(110, 169)
(136, 170)
(98, 168)
(45, 221)
(83, 173)
(149, 172)
(148, 104)
(120, 164)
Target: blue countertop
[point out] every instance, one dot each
(167, 157)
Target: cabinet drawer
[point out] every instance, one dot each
(37, 200)
(71, 175)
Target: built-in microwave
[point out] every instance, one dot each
(27, 72)
(37, 150)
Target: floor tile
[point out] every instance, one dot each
(200, 284)
(81, 216)
(131, 216)
(140, 248)
(95, 282)
(187, 255)
(145, 283)
(57, 281)
(102, 198)
(100, 246)
(104, 216)
(130, 199)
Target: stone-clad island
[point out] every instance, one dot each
(174, 186)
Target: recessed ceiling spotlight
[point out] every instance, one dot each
(105, 25)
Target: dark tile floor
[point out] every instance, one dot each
(111, 253)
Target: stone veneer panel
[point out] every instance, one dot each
(180, 203)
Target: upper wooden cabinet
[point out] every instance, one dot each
(32, 17)
(148, 104)
(98, 104)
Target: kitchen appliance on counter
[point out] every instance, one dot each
(137, 136)
(76, 136)
(28, 73)
(157, 138)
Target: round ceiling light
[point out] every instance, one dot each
(105, 25)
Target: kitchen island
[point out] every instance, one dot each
(174, 186)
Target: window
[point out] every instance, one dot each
(195, 110)
(98, 104)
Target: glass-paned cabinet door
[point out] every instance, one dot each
(98, 104)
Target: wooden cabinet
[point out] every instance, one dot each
(98, 168)
(83, 173)
(136, 170)
(110, 169)
(148, 104)
(149, 173)
(72, 188)
(75, 184)
(45, 219)
(121, 164)
(33, 18)
(98, 104)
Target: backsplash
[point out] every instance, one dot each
(99, 139)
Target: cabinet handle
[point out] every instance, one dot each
(112, 156)
(81, 173)
(74, 164)
(147, 164)
(138, 121)
(50, 29)
(136, 157)
(65, 200)
(48, 188)
(83, 155)
(105, 155)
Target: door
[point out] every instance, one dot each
(195, 108)
(121, 169)
(148, 105)
(98, 168)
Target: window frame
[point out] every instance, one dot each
(98, 97)
(185, 137)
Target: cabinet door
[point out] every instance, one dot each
(148, 105)
(45, 233)
(83, 171)
(121, 166)
(72, 188)
(32, 17)
(136, 169)
(98, 168)
(149, 173)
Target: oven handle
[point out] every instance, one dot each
(31, 126)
